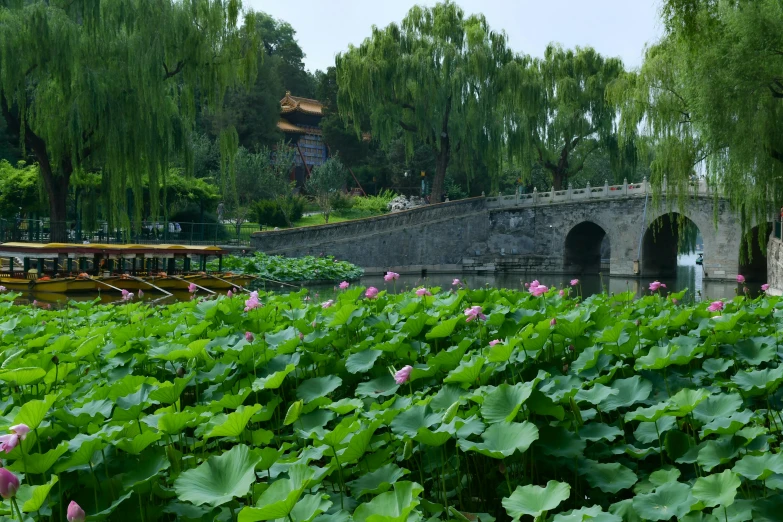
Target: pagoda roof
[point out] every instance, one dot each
(298, 104)
(289, 128)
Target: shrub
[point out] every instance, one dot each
(376, 204)
(198, 224)
(268, 212)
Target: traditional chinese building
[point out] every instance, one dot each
(299, 121)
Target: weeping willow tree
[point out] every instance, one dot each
(113, 85)
(561, 114)
(709, 100)
(437, 78)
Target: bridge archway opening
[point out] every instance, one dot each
(586, 247)
(670, 240)
(752, 261)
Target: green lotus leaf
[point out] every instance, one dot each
(80, 458)
(629, 392)
(716, 366)
(131, 406)
(34, 412)
(273, 380)
(648, 432)
(561, 388)
(598, 431)
(609, 478)
(625, 510)
(392, 506)
(316, 387)
(560, 442)
(443, 328)
(755, 352)
(169, 392)
(719, 489)
(219, 479)
(467, 372)
(758, 382)
(39, 463)
(309, 507)
(664, 476)
(727, 425)
(145, 468)
(233, 424)
(380, 387)
(344, 406)
(717, 452)
(595, 395)
(502, 439)
(232, 401)
(411, 420)
(174, 423)
(378, 481)
(450, 358)
(358, 444)
(717, 406)
(102, 515)
(22, 376)
(502, 403)
(591, 514)
(535, 500)
(684, 401)
(362, 362)
(671, 500)
(32, 498)
(293, 413)
(759, 467)
(432, 438)
(86, 413)
(649, 414)
(139, 443)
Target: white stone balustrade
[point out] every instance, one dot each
(697, 188)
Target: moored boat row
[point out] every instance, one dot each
(73, 268)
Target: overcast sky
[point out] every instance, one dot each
(613, 27)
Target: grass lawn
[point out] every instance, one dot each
(318, 219)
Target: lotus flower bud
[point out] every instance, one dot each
(181, 372)
(75, 513)
(9, 484)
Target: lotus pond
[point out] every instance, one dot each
(504, 406)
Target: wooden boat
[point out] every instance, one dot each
(225, 281)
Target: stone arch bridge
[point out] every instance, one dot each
(570, 231)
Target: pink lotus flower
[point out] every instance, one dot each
(75, 513)
(403, 375)
(663, 285)
(561, 293)
(527, 285)
(574, 282)
(127, 296)
(8, 442)
(249, 337)
(675, 301)
(534, 284)
(141, 294)
(252, 302)
(371, 293)
(764, 287)
(192, 288)
(327, 304)
(474, 312)
(391, 276)
(344, 285)
(422, 292)
(20, 430)
(229, 294)
(553, 322)
(3, 289)
(301, 336)
(456, 282)
(740, 278)
(716, 306)
(538, 290)
(9, 484)
(655, 286)
(493, 342)
(35, 302)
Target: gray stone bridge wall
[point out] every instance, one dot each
(506, 234)
(431, 235)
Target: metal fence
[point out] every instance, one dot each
(158, 232)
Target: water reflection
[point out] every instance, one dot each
(689, 275)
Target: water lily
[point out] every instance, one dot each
(493, 342)
(764, 287)
(716, 306)
(422, 292)
(249, 337)
(327, 304)
(8, 442)
(391, 276)
(403, 375)
(75, 513)
(344, 285)
(9, 484)
(192, 288)
(474, 312)
(740, 278)
(574, 282)
(538, 290)
(371, 293)
(21, 430)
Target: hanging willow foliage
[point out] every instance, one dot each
(113, 85)
(709, 97)
(438, 79)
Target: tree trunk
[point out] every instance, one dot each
(559, 179)
(57, 190)
(441, 163)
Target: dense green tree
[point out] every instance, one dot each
(560, 113)
(709, 98)
(325, 182)
(437, 77)
(19, 190)
(113, 85)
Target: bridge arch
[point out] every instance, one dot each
(587, 244)
(752, 261)
(662, 242)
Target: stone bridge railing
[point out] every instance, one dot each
(697, 188)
